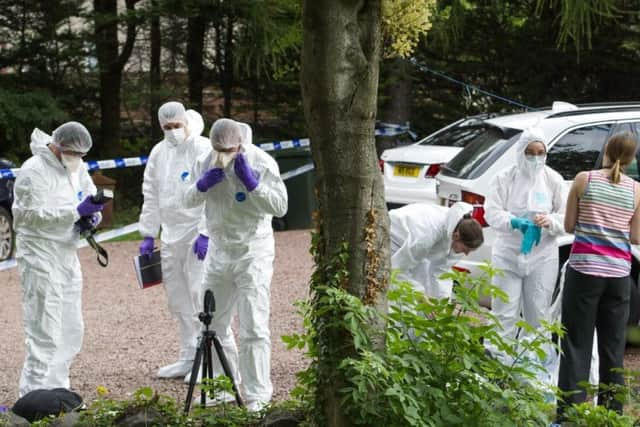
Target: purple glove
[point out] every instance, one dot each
(200, 246)
(248, 176)
(209, 179)
(146, 247)
(87, 207)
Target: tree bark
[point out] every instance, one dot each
(111, 64)
(339, 79)
(196, 30)
(154, 70)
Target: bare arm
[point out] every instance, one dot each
(635, 219)
(576, 191)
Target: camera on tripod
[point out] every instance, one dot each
(204, 355)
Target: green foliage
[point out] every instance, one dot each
(20, 112)
(587, 415)
(578, 18)
(403, 23)
(434, 370)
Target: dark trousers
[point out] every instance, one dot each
(588, 302)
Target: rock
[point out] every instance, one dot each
(70, 419)
(141, 417)
(283, 418)
(10, 419)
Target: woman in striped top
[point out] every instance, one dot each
(602, 212)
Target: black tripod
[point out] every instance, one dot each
(204, 355)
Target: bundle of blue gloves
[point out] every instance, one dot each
(531, 233)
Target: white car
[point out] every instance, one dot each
(409, 171)
(576, 138)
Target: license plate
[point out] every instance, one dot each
(406, 171)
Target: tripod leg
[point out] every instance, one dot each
(194, 374)
(225, 367)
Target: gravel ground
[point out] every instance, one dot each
(129, 333)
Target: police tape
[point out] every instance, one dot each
(112, 234)
(385, 129)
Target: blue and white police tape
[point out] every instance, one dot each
(100, 237)
(386, 129)
(93, 165)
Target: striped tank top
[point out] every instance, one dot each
(601, 246)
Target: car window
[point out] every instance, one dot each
(482, 151)
(578, 150)
(457, 136)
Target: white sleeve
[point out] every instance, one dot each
(495, 212)
(30, 207)
(150, 214)
(192, 197)
(270, 196)
(560, 194)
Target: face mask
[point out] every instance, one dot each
(71, 163)
(222, 159)
(535, 163)
(175, 136)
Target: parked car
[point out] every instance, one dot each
(409, 171)
(576, 136)
(6, 219)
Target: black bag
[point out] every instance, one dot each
(38, 404)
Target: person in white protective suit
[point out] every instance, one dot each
(52, 192)
(184, 237)
(242, 190)
(525, 207)
(427, 240)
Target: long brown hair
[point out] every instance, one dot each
(470, 232)
(621, 150)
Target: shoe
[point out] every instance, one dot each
(187, 378)
(175, 370)
(220, 398)
(256, 405)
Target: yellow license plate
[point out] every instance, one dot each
(406, 171)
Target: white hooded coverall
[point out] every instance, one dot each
(44, 211)
(421, 238)
(528, 280)
(167, 175)
(240, 268)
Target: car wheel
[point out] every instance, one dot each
(6, 235)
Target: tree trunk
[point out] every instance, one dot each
(154, 71)
(111, 64)
(227, 76)
(397, 108)
(339, 79)
(196, 30)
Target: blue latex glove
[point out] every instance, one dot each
(200, 246)
(146, 247)
(87, 207)
(520, 224)
(248, 176)
(209, 179)
(531, 237)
